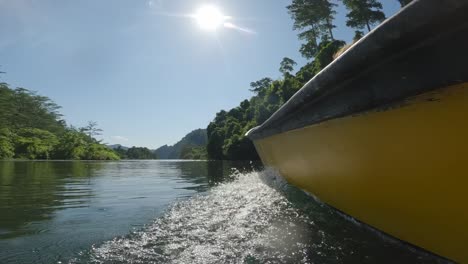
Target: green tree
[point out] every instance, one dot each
(72, 145)
(287, 66)
(363, 13)
(33, 143)
(261, 85)
(215, 142)
(7, 147)
(91, 129)
(193, 153)
(315, 20)
(96, 151)
(309, 49)
(326, 54)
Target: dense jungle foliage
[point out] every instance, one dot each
(135, 153)
(31, 127)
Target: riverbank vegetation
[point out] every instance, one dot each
(194, 153)
(314, 19)
(31, 127)
(135, 153)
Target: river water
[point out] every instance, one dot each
(174, 212)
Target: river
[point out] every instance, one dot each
(174, 212)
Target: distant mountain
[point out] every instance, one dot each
(196, 138)
(116, 146)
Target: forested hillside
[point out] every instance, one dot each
(192, 146)
(31, 127)
(314, 19)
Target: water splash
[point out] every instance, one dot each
(250, 219)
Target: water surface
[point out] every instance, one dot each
(174, 212)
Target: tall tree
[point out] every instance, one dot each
(363, 13)
(91, 129)
(404, 2)
(260, 85)
(287, 66)
(315, 19)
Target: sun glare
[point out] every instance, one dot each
(210, 18)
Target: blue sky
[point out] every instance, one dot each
(145, 73)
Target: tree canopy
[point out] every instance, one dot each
(194, 153)
(363, 13)
(261, 85)
(314, 20)
(287, 66)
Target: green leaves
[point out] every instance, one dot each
(7, 147)
(315, 20)
(91, 129)
(363, 13)
(194, 153)
(315, 16)
(72, 145)
(325, 56)
(260, 86)
(100, 152)
(287, 66)
(33, 143)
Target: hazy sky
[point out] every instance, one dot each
(141, 69)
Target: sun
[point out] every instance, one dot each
(209, 18)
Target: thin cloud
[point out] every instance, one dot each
(119, 138)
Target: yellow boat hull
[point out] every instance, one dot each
(402, 170)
